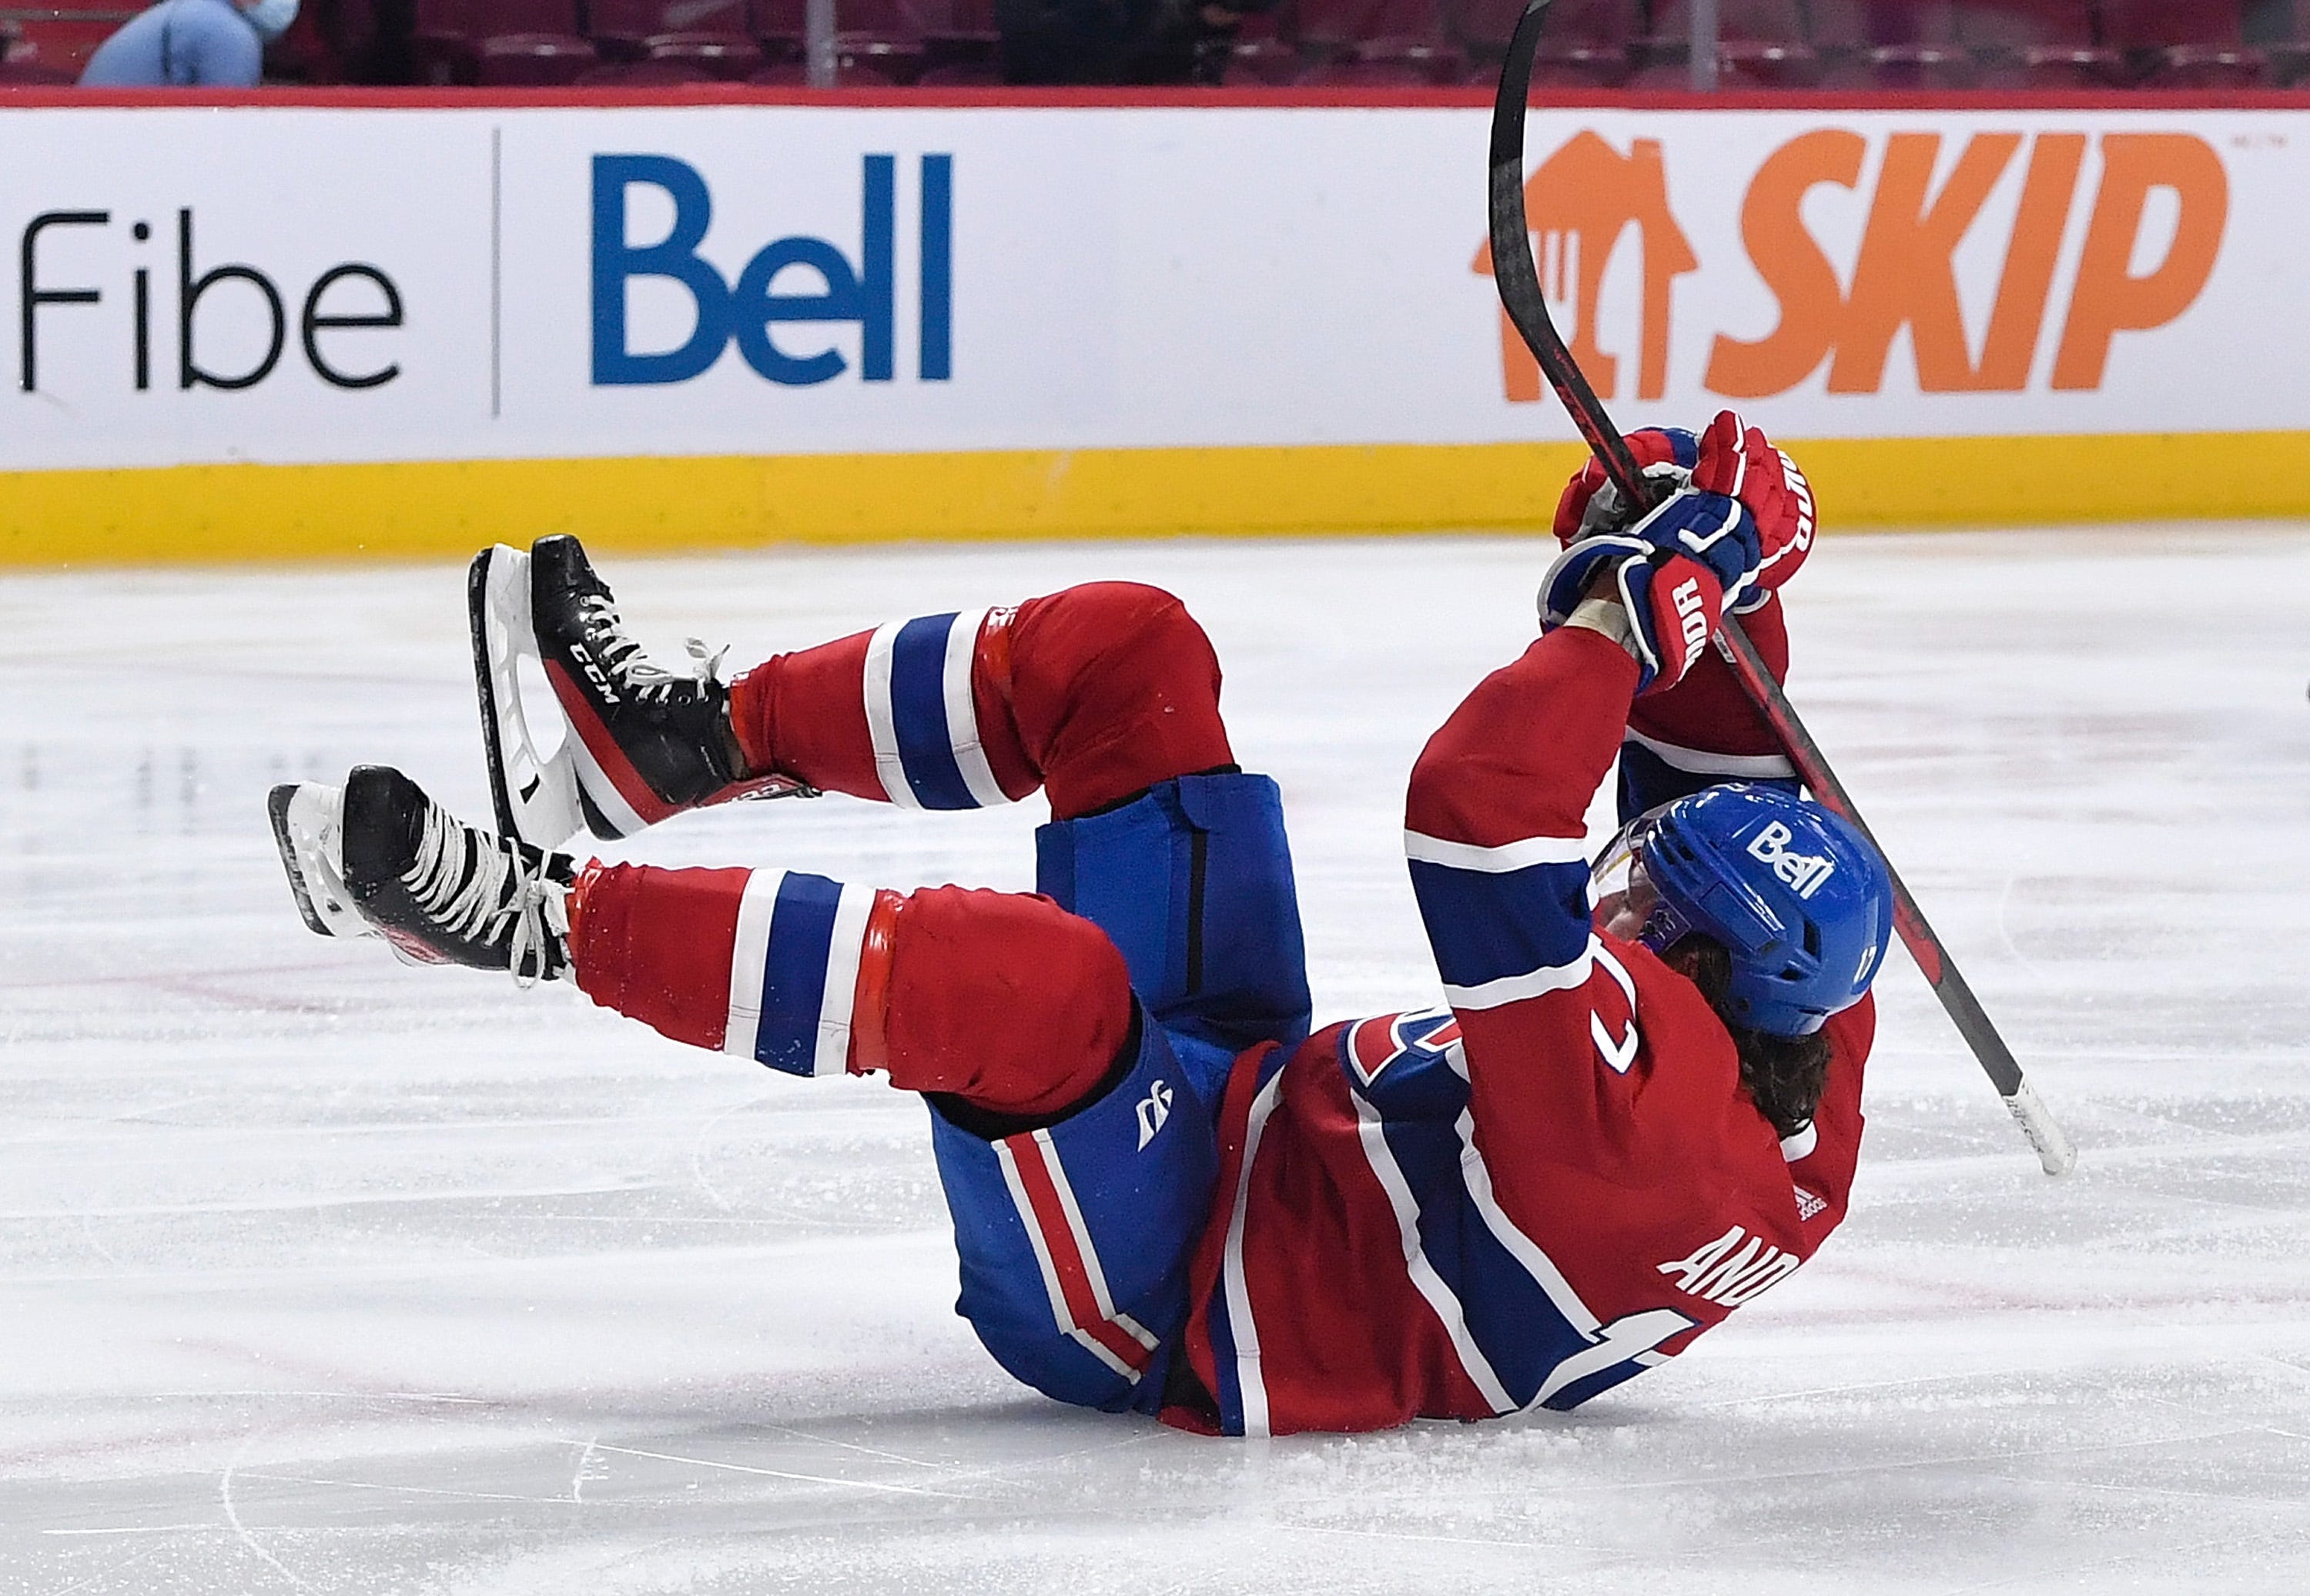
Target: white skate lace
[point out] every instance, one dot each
(622, 657)
(496, 884)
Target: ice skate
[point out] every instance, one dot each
(639, 742)
(377, 857)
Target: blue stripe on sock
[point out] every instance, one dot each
(918, 714)
(793, 973)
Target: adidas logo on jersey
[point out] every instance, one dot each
(1802, 871)
(1729, 1273)
(1154, 1109)
(1808, 1205)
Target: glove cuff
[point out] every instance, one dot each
(1560, 590)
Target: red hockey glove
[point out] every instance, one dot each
(1729, 458)
(1738, 461)
(1670, 572)
(1590, 506)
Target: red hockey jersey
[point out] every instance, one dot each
(1526, 1197)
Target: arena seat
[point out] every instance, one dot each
(715, 37)
(1260, 56)
(532, 61)
(879, 41)
(1760, 43)
(962, 75)
(25, 72)
(2038, 44)
(1866, 45)
(510, 43)
(20, 65)
(854, 67)
(649, 73)
(2278, 27)
(2194, 44)
(954, 32)
(60, 42)
(1379, 43)
(791, 72)
(779, 26)
(1392, 62)
(1583, 43)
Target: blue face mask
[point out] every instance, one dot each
(271, 18)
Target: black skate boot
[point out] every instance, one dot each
(640, 742)
(377, 857)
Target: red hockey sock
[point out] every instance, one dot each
(1001, 998)
(655, 945)
(1094, 693)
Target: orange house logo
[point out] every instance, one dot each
(1586, 197)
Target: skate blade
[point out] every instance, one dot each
(535, 793)
(308, 827)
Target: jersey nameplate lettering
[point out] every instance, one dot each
(1729, 1273)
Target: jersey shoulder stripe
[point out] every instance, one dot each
(1422, 848)
(1501, 910)
(1568, 977)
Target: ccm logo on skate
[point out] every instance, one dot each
(1154, 1109)
(1730, 1271)
(595, 674)
(1804, 872)
(795, 279)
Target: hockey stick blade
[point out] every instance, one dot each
(1515, 273)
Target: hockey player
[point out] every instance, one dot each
(1632, 1114)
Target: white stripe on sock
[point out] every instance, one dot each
(749, 952)
(962, 711)
(881, 718)
(842, 955)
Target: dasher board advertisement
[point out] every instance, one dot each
(310, 286)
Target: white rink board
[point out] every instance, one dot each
(1121, 277)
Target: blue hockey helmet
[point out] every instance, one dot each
(1796, 895)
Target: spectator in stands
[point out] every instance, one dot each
(1116, 41)
(190, 44)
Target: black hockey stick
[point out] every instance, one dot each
(1517, 276)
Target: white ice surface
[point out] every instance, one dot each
(324, 1274)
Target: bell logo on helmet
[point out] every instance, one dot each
(1803, 872)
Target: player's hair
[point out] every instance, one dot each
(1784, 1075)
